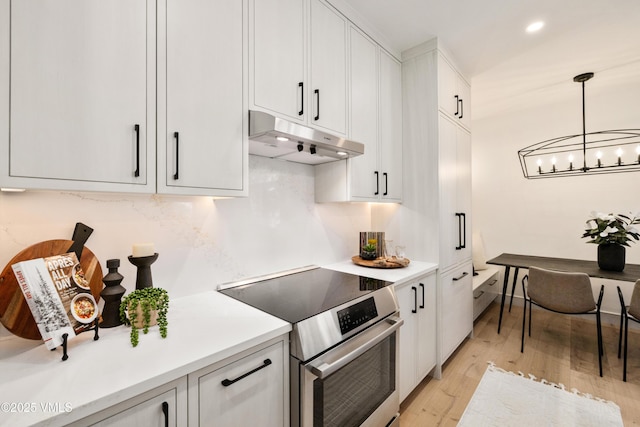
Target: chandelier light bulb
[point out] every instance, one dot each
(619, 153)
(539, 162)
(570, 162)
(599, 156)
(553, 164)
(638, 153)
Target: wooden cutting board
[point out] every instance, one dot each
(392, 262)
(14, 311)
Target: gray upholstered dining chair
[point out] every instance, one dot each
(632, 311)
(561, 292)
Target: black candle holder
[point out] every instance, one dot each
(143, 276)
(112, 295)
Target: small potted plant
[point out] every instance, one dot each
(369, 251)
(143, 308)
(611, 233)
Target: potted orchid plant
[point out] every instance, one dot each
(612, 233)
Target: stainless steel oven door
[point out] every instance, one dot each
(356, 383)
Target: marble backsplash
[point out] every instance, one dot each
(201, 242)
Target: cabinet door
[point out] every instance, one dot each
(204, 137)
(454, 94)
(82, 95)
(450, 231)
(408, 301)
(457, 308)
(278, 40)
(427, 338)
(390, 128)
(254, 400)
(463, 190)
(328, 69)
(163, 406)
(363, 86)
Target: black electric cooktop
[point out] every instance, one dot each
(303, 294)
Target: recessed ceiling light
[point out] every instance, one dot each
(535, 26)
(282, 138)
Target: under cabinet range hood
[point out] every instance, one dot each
(277, 138)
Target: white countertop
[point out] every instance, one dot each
(203, 329)
(414, 270)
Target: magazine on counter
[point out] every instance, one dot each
(58, 295)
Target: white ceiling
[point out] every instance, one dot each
(484, 33)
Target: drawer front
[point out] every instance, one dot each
(457, 308)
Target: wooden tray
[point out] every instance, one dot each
(392, 262)
(15, 314)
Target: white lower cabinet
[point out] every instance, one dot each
(417, 300)
(162, 406)
(456, 308)
(248, 390)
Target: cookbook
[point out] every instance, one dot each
(58, 296)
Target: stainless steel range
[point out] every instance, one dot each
(344, 344)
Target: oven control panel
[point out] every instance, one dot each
(358, 314)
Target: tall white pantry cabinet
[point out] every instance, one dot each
(438, 152)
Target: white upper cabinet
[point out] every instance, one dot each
(363, 86)
(278, 40)
(202, 127)
(390, 128)
(328, 71)
(298, 62)
(375, 113)
(81, 85)
(454, 93)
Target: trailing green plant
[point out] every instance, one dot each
(148, 299)
(609, 228)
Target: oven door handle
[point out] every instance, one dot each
(322, 367)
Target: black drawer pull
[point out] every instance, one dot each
(176, 175)
(227, 382)
(165, 411)
(415, 299)
(301, 86)
(422, 286)
(455, 279)
(136, 173)
(317, 92)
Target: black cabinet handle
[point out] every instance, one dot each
(415, 299)
(165, 411)
(455, 279)
(457, 105)
(227, 382)
(459, 215)
(301, 86)
(386, 184)
(317, 92)
(422, 286)
(136, 128)
(377, 183)
(461, 108)
(464, 230)
(176, 135)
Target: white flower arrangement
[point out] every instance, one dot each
(609, 228)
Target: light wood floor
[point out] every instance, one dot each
(561, 349)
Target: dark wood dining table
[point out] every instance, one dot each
(631, 272)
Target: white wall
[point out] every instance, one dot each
(201, 242)
(522, 102)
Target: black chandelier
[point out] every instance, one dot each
(608, 151)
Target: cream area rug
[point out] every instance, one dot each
(507, 399)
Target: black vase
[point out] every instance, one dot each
(611, 257)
